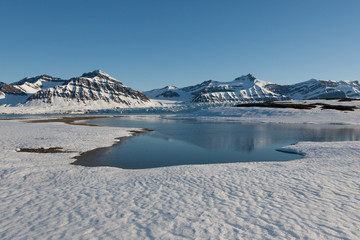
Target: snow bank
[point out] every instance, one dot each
(43, 196)
(61, 106)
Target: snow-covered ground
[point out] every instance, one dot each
(42, 196)
(62, 106)
(279, 115)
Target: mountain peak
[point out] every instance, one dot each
(169, 87)
(97, 73)
(209, 81)
(44, 77)
(248, 77)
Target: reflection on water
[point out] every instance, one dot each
(191, 142)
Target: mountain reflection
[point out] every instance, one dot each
(248, 137)
(184, 142)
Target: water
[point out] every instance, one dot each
(190, 142)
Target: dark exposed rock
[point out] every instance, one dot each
(10, 89)
(43, 150)
(98, 73)
(298, 106)
(169, 94)
(248, 77)
(198, 86)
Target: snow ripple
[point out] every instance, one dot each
(43, 196)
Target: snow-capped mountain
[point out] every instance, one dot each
(34, 84)
(17, 92)
(245, 88)
(11, 96)
(98, 90)
(166, 92)
(93, 87)
(2, 95)
(317, 89)
(250, 89)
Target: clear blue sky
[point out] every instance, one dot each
(152, 43)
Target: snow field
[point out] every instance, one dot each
(44, 197)
(278, 115)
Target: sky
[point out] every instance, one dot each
(150, 44)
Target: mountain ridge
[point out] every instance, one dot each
(248, 88)
(98, 87)
(244, 88)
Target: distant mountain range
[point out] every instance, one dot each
(250, 89)
(318, 89)
(245, 88)
(100, 89)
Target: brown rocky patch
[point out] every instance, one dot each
(298, 106)
(69, 120)
(142, 130)
(43, 150)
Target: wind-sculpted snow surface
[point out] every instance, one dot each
(43, 196)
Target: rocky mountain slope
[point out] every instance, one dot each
(2, 95)
(18, 92)
(319, 89)
(95, 86)
(34, 84)
(245, 88)
(250, 89)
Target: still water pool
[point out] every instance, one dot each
(176, 142)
